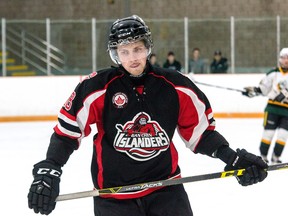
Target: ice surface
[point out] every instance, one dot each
(24, 144)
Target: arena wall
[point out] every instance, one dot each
(40, 98)
(209, 28)
(111, 9)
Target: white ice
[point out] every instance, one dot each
(24, 144)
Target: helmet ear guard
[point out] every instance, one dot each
(128, 30)
(114, 56)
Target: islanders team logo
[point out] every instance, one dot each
(141, 139)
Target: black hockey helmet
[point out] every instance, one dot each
(128, 30)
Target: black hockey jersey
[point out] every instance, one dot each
(135, 119)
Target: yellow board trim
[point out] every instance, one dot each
(238, 115)
(54, 117)
(27, 118)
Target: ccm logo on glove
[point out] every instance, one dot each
(44, 171)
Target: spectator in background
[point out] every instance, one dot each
(219, 63)
(172, 63)
(153, 60)
(196, 64)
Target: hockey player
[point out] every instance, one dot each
(275, 86)
(136, 109)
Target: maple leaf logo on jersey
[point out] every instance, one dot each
(120, 100)
(141, 139)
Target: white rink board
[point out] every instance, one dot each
(32, 96)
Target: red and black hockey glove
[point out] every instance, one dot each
(45, 187)
(254, 167)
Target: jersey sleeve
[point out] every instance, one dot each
(196, 125)
(266, 84)
(74, 119)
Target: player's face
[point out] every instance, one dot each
(133, 57)
(217, 57)
(171, 58)
(153, 60)
(284, 62)
(196, 54)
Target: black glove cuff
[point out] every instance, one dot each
(226, 154)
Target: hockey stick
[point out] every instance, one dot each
(161, 183)
(221, 87)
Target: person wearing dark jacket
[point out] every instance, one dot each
(219, 63)
(153, 60)
(136, 108)
(172, 63)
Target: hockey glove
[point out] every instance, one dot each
(251, 91)
(254, 167)
(45, 187)
(282, 97)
